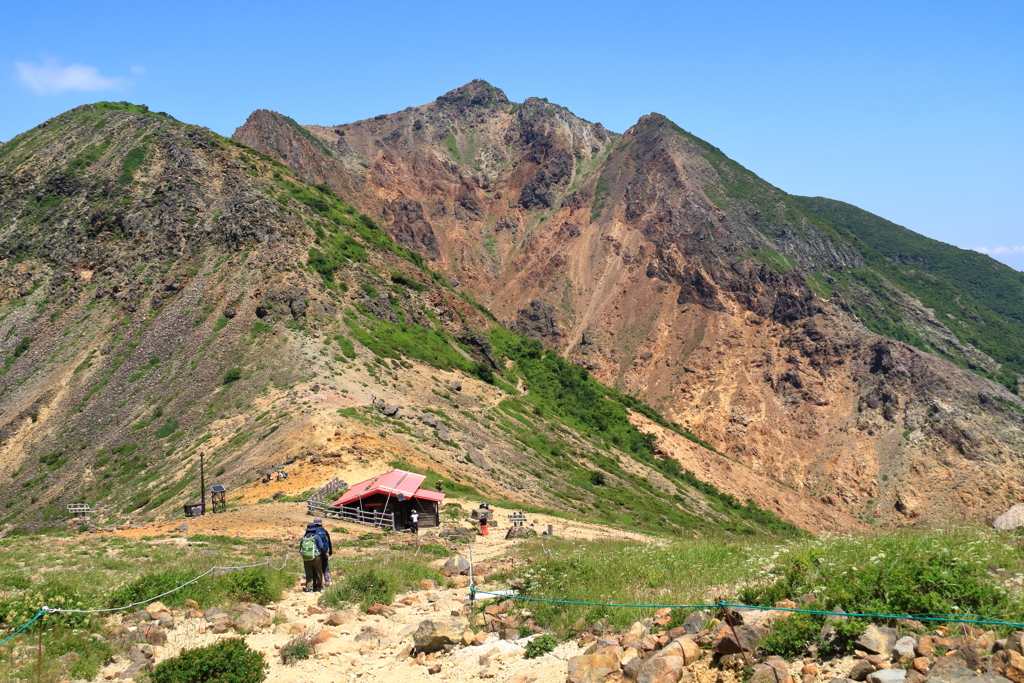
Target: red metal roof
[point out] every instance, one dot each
(390, 483)
(435, 496)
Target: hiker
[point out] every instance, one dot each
(325, 538)
(483, 526)
(437, 486)
(311, 547)
(414, 522)
(485, 506)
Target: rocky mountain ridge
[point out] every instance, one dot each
(168, 292)
(666, 269)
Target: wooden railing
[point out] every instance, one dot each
(351, 515)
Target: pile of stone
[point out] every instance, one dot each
(883, 654)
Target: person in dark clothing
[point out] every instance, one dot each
(311, 562)
(414, 522)
(326, 538)
(437, 485)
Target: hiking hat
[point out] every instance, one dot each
(317, 520)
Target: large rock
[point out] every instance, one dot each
(251, 617)
(878, 640)
(696, 622)
(434, 633)
(153, 634)
(774, 670)
(136, 670)
(726, 643)
(442, 431)
(520, 532)
(1009, 664)
(861, 669)
(887, 676)
(339, 617)
(1011, 519)
(456, 564)
(478, 459)
(948, 668)
(596, 667)
(661, 669)
(905, 649)
(690, 650)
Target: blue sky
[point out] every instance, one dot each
(911, 110)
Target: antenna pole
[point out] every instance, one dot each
(202, 481)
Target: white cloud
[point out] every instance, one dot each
(51, 77)
(1001, 250)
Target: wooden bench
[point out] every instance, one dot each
(517, 519)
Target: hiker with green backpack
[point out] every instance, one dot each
(311, 549)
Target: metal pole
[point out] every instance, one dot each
(39, 659)
(202, 481)
(472, 593)
(728, 619)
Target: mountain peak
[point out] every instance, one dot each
(477, 92)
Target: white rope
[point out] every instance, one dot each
(157, 597)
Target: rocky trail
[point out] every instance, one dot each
(435, 633)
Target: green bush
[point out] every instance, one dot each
(597, 478)
(540, 646)
(232, 375)
(299, 647)
(259, 584)
(227, 661)
(167, 429)
(380, 583)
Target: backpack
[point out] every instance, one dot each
(308, 549)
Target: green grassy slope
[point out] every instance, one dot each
(978, 298)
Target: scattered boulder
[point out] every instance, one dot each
(887, 676)
(478, 459)
(1009, 664)
(773, 670)
(878, 640)
(696, 622)
(905, 649)
(596, 667)
(339, 617)
(1011, 519)
(861, 669)
(664, 667)
(726, 643)
(251, 617)
(456, 564)
(455, 385)
(154, 634)
(136, 670)
(442, 432)
(434, 633)
(520, 532)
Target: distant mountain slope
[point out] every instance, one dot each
(983, 297)
(678, 276)
(165, 291)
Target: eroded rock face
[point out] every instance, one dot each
(676, 275)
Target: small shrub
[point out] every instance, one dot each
(232, 375)
(597, 478)
(299, 647)
(228, 661)
(541, 645)
(167, 429)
